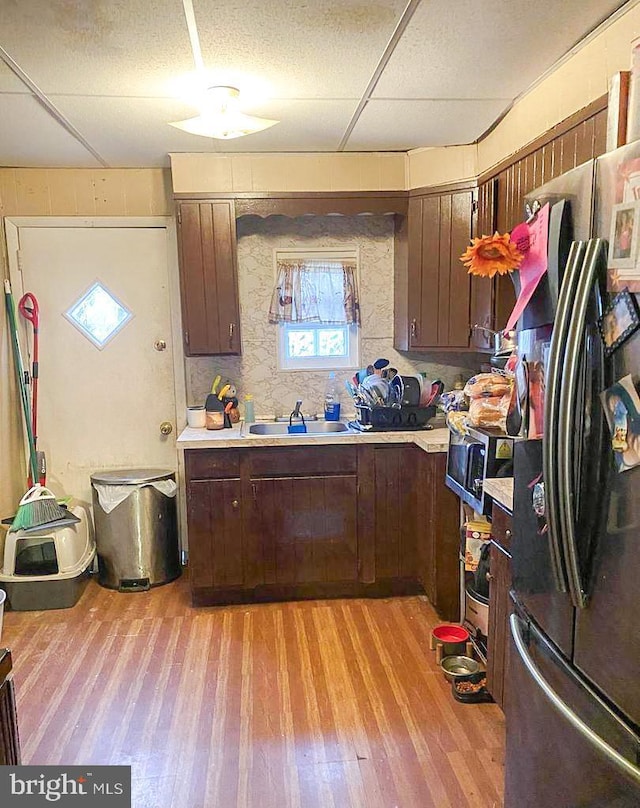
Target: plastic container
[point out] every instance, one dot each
(331, 402)
(452, 637)
(249, 411)
(196, 417)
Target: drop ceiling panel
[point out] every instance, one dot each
(403, 125)
(100, 47)
(138, 47)
(306, 126)
(29, 136)
(111, 67)
(129, 132)
(318, 49)
(136, 132)
(489, 49)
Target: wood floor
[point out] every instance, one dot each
(313, 704)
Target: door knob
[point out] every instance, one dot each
(166, 428)
(160, 345)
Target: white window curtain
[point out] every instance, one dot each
(315, 291)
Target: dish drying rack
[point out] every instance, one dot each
(379, 412)
(380, 419)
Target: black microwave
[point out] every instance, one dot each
(474, 457)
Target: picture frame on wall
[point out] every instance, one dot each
(623, 180)
(623, 241)
(633, 110)
(619, 322)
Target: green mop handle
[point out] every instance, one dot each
(26, 409)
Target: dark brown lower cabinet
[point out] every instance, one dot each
(214, 517)
(395, 510)
(307, 528)
(9, 741)
(438, 524)
(314, 521)
(499, 611)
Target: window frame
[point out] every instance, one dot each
(318, 363)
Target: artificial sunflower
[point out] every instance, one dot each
(492, 255)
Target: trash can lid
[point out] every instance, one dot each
(131, 476)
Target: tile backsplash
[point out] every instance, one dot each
(255, 372)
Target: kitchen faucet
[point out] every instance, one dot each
(296, 412)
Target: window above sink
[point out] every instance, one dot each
(315, 305)
(312, 346)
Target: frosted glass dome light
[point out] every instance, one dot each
(220, 117)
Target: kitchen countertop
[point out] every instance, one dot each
(430, 440)
(500, 489)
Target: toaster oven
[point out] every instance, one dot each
(474, 457)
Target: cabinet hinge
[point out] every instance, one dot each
(179, 216)
(474, 206)
(186, 337)
(19, 260)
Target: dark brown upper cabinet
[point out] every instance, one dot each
(209, 277)
(433, 297)
(502, 189)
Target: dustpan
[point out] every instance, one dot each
(296, 429)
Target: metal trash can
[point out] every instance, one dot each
(136, 528)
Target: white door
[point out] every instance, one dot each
(99, 407)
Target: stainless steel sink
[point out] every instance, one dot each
(313, 428)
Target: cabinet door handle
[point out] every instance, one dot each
(507, 534)
(235, 504)
(254, 491)
(414, 328)
(231, 330)
(489, 577)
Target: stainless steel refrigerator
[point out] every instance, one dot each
(572, 700)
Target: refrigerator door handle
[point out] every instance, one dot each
(585, 731)
(567, 407)
(550, 471)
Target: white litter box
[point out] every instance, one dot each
(47, 569)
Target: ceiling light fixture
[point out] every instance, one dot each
(220, 116)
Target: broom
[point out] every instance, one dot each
(28, 308)
(37, 507)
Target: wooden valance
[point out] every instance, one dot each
(341, 203)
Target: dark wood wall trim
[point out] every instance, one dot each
(347, 203)
(555, 132)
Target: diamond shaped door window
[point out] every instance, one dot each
(99, 315)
